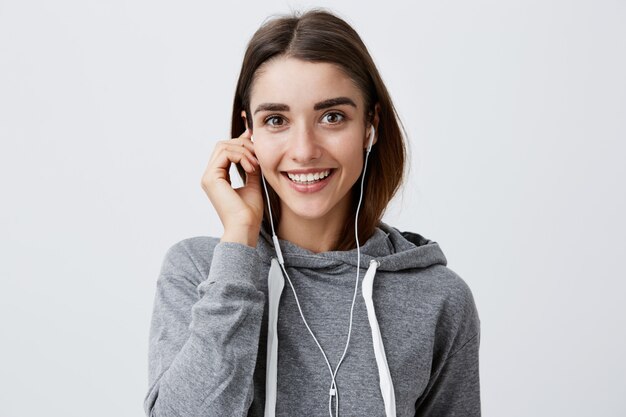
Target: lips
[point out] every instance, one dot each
(308, 178)
(309, 187)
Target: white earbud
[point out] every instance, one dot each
(371, 143)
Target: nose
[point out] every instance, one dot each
(303, 146)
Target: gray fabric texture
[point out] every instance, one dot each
(208, 331)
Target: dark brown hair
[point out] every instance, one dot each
(320, 36)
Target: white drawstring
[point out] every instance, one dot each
(275, 284)
(384, 376)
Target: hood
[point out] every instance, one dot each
(394, 250)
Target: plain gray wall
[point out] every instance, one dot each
(515, 110)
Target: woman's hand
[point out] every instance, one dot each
(241, 209)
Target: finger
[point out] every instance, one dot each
(247, 165)
(241, 156)
(244, 140)
(246, 134)
(217, 184)
(231, 145)
(246, 148)
(224, 154)
(254, 178)
(219, 166)
(249, 153)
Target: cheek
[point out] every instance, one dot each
(267, 156)
(350, 154)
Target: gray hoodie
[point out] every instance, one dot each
(209, 331)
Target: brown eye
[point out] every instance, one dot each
(274, 121)
(333, 118)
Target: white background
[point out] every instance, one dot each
(515, 110)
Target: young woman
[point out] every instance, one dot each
(371, 322)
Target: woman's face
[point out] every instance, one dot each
(308, 121)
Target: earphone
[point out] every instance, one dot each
(334, 391)
(371, 143)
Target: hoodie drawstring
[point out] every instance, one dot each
(386, 384)
(276, 283)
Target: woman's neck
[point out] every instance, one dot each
(316, 235)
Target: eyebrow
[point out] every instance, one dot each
(337, 101)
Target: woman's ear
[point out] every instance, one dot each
(245, 119)
(373, 122)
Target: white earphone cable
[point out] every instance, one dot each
(282, 265)
(334, 390)
(356, 286)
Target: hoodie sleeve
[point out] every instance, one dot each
(204, 337)
(454, 386)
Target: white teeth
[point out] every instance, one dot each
(308, 178)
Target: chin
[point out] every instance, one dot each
(308, 213)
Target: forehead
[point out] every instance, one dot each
(299, 83)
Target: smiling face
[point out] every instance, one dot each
(309, 132)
